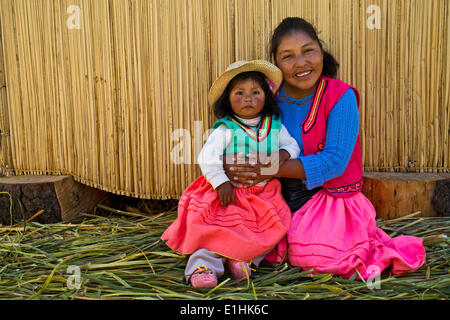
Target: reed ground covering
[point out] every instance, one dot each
(120, 255)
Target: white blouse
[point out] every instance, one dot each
(210, 157)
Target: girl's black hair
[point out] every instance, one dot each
(295, 24)
(222, 107)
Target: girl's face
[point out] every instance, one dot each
(247, 99)
(300, 58)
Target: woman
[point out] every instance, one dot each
(333, 228)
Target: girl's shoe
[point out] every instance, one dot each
(236, 270)
(203, 278)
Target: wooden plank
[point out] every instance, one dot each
(441, 199)
(61, 198)
(396, 194)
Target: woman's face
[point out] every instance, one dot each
(301, 60)
(247, 99)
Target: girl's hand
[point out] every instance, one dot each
(254, 168)
(226, 194)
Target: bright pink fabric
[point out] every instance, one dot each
(339, 235)
(253, 226)
(328, 93)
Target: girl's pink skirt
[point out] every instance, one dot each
(339, 236)
(258, 221)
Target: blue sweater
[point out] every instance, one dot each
(342, 131)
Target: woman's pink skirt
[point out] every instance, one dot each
(339, 236)
(258, 221)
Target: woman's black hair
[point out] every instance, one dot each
(222, 107)
(295, 24)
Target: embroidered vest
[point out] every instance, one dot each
(264, 139)
(328, 92)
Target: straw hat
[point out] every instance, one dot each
(270, 71)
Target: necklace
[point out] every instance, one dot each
(299, 102)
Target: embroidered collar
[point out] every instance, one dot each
(299, 102)
(262, 131)
(252, 123)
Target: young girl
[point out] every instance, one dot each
(218, 220)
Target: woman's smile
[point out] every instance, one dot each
(303, 74)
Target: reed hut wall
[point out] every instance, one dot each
(114, 92)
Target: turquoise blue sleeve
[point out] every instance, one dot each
(342, 131)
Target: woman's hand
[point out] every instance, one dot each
(226, 194)
(254, 168)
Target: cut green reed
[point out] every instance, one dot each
(120, 255)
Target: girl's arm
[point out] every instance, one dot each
(210, 157)
(210, 160)
(288, 143)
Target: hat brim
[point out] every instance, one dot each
(272, 72)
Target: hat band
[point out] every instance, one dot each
(270, 83)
